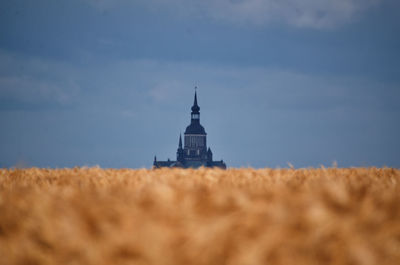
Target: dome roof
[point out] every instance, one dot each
(195, 128)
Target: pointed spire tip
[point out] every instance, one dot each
(180, 140)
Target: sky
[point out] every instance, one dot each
(110, 83)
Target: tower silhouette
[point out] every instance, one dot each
(194, 152)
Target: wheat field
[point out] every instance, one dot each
(206, 216)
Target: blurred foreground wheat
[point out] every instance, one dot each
(206, 216)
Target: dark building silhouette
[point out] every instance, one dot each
(194, 152)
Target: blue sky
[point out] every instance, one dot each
(110, 83)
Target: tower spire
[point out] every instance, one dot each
(195, 108)
(195, 96)
(180, 152)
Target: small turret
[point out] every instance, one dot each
(209, 155)
(180, 153)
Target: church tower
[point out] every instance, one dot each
(193, 153)
(195, 136)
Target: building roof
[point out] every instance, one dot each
(189, 164)
(220, 164)
(195, 128)
(163, 163)
(195, 164)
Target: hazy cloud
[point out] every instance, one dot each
(167, 90)
(305, 13)
(130, 85)
(134, 109)
(34, 83)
